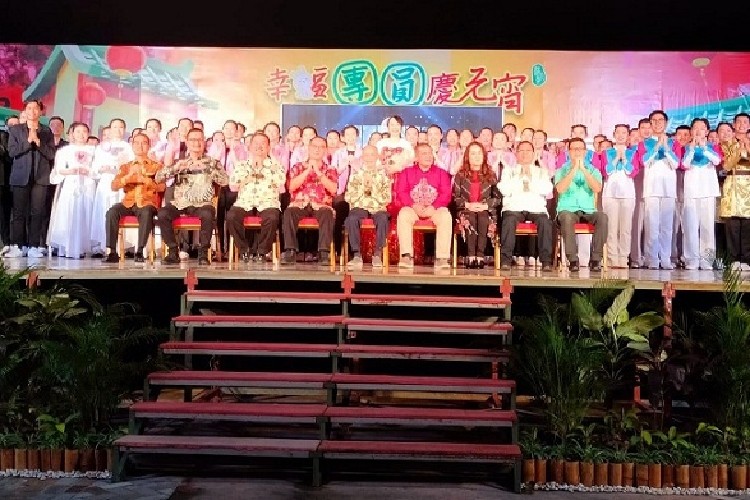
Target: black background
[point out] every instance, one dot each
(440, 24)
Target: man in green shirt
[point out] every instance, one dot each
(578, 183)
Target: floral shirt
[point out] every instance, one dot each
(369, 190)
(312, 192)
(261, 188)
(194, 181)
(143, 193)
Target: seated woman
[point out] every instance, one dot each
(476, 198)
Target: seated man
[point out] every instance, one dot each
(577, 183)
(368, 194)
(196, 178)
(257, 181)
(312, 184)
(424, 191)
(525, 188)
(137, 180)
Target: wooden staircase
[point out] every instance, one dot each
(423, 408)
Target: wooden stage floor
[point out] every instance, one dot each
(93, 269)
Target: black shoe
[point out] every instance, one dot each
(573, 267)
(546, 268)
(324, 258)
(97, 255)
(172, 257)
(138, 257)
(471, 265)
(595, 266)
(112, 258)
(480, 263)
(245, 256)
(288, 258)
(193, 252)
(129, 254)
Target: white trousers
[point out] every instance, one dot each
(698, 232)
(658, 222)
(620, 222)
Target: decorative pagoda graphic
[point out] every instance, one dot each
(94, 83)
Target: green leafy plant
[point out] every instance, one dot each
(562, 369)
(10, 439)
(610, 326)
(53, 433)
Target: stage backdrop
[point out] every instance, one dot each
(540, 89)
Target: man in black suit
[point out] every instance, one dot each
(5, 199)
(32, 149)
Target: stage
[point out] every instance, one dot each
(93, 269)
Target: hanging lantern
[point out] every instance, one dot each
(125, 60)
(91, 95)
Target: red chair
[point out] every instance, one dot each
(368, 224)
(311, 224)
(254, 222)
(580, 228)
(131, 222)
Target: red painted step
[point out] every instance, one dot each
(248, 349)
(420, 416)
(240, 379)
(266, 412)
(433, 384)
(259, 321)
(212, 445)
(404, 449)
(472, 327)
(408, 352)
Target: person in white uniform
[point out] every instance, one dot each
(701, 190)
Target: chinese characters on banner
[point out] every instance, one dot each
(360, 82)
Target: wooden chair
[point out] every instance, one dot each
(364, 224)
(254, 222)
(495, 246)
(131, 222)
(427, 226)
(311, 224)
(193, 223)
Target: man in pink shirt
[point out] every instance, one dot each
(424, 192)
(312, 184)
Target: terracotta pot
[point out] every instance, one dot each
(44, 460)
(712, 476)
(628, 473)
(723, 476)
(641, 474)
(558, 466)
(573, 473)
(110, 458)
(100, 457)
(682, 476)
(601, 474)
(540, 471)
(587, 474)
(33, 461)
(739, 477)
(528, 470)
(667, 476)
(20, 458)
(87, 460)
(56, 460)
(654, 475)
(615, 474)
(697, 476)
(7, 460)
(71, 460)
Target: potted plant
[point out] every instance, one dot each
(9, 442)
(709, 457)
(674, 445)
(53, 435)
(617, 459)
(583, 443)
(557, 463)
(573, 465)
(83, 442)
(530, 447)
(725, 441)
(33, 461)
(738, 473)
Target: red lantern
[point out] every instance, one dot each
(125, 60)
(91, 95)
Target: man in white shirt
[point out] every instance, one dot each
(525, 188)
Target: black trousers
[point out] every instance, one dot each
(169, 213)
(544, 230)
(568, 220)
(269, 223)
(354, 221)
(28, 205)
(738, 238)
(293, 215)
(145, 223)
(476, 241)
(225, 202)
